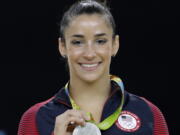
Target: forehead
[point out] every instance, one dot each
(88, 24)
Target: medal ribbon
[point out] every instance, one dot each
(110, 120)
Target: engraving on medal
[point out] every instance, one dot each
(88, 129)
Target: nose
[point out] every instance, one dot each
(89, 51)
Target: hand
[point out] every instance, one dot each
(66, 122)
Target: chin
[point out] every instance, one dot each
(93, 77)
(90, 78)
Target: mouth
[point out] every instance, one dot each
(90, 66)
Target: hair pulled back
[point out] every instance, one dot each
(89, 7)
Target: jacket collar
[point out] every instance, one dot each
(62, 97)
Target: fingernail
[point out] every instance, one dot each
(88, 116)
(81, 119)
(72, 122)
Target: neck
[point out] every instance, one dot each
(83, 91)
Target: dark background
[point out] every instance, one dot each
(31, 69)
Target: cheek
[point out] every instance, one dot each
(105, 52)
(73, 54)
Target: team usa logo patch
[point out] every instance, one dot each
(128, 122)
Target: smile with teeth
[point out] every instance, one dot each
(90, 67)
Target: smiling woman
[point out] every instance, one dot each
(88, 46)
(93, 102)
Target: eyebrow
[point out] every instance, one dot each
(100, 34)
(96, 35)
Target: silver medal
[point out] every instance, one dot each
(88, 129)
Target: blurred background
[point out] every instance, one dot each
(31, 69)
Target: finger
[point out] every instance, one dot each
(76, 120)
(79, 113)
(86, 116)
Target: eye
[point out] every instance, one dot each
(101, 41)
(76, 42)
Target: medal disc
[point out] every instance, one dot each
(88, 129)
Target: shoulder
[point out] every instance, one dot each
(27, 125)
(135, 98)
(154, 109)
(35, 108)
(159, 123)
(31, 112)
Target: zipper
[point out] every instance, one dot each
(107, 101)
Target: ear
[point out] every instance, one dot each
(115, 46)
(62, 47)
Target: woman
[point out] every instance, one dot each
(92, 100)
